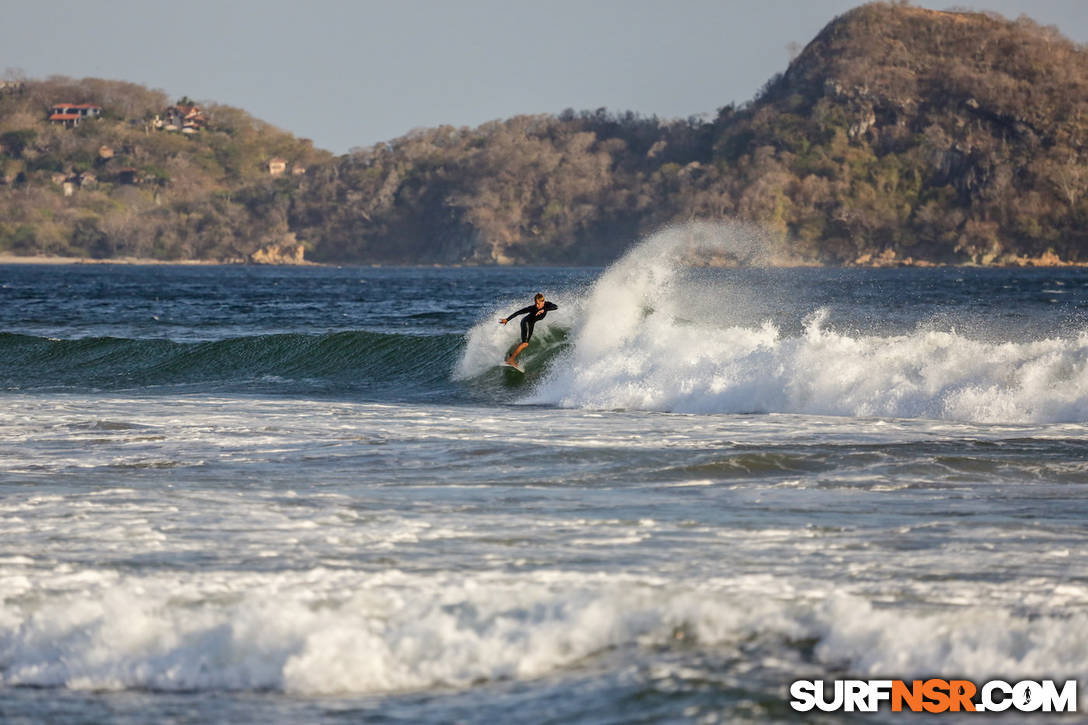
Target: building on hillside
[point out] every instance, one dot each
(69, 115)
(187, 119)
(277, 166)
(298, 169)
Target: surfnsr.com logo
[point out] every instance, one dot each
(933, 696)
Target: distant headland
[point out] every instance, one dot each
(898, 136)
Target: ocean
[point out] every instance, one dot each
(282, 495)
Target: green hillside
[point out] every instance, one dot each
(897, 136)
(904, 133)
(117, 185)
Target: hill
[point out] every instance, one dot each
(897, 136)
(904, 133)
(119, 171)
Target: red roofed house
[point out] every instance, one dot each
(70, 114)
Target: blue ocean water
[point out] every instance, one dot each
(236, 494)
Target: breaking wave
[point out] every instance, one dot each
(322, 632)
(645, 338)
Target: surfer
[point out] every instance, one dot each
(533, 314)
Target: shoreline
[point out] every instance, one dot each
(1044, 262)
(11, 259)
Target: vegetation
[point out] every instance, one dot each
(903, 133)
(134, 190)
(898, 135)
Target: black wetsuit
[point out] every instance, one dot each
(532, 316)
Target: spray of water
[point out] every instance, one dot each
(643, 337)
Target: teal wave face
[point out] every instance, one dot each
(341, 362)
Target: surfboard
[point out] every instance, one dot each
(508, 365)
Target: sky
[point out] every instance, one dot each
(353, 73)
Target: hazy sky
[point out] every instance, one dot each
(353, 73)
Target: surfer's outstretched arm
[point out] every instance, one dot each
(522, 311)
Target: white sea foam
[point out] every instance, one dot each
(663, 366)
(634, 347)
(983, 642)
(325, 632)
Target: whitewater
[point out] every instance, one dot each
(646, 338)
(312, 495)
